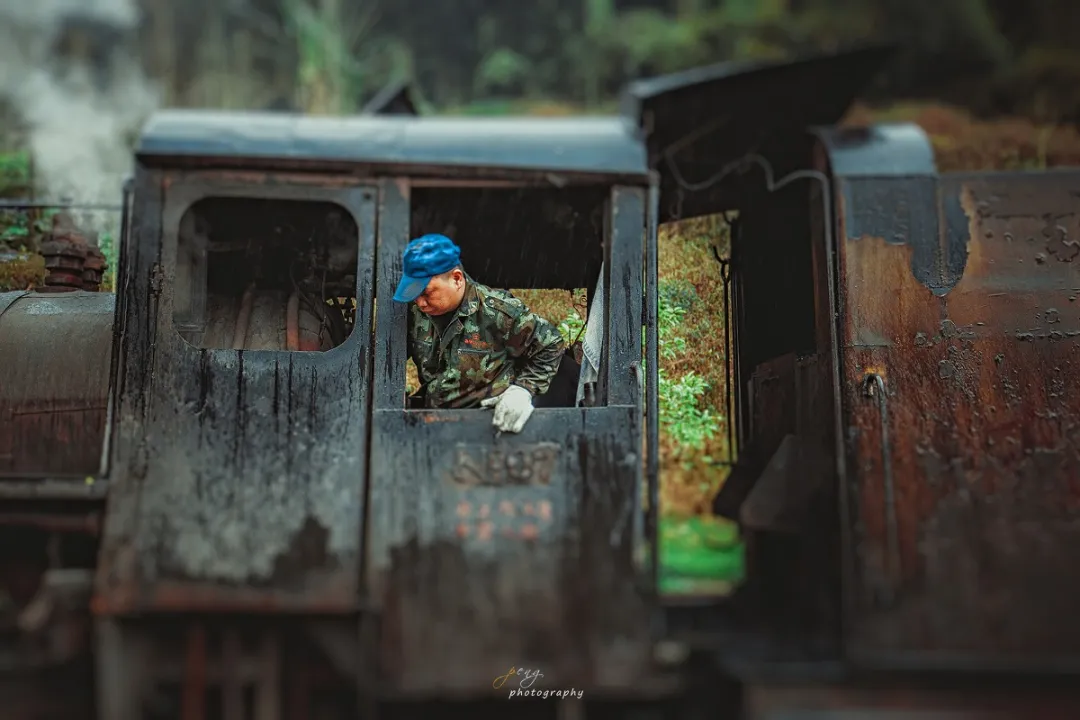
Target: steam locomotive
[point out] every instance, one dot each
(215, 501)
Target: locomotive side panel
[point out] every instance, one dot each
(961, 339)
(239, 469)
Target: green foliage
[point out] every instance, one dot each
(672, 341)
(678, 293)
(110, 249)
(14, 173)
(682, 416)
(571, 327)
(500, 69)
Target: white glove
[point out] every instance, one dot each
(512, 409)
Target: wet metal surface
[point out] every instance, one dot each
(966, 309)
(239, 475)
(55, 349)
(580, 145)
(475, 579)
(470, 576)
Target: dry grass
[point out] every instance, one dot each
(689, 480)
(22, 272)
(962, 142)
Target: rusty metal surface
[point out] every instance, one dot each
(238, 475)
(474, 579)
(885, 150)
(55, 349)
(965, 314)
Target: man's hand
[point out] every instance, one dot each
(512, 409)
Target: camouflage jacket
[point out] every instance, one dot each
(493, 341)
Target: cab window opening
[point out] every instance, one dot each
(543, 246)
(265, 274)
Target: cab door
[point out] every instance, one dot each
(239, 464)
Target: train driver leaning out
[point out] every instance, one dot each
(473, 346)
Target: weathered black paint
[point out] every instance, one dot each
(239, 474)
(896, 210)
(461, 600)
(889, 189)
(457, 600)
(624, 295)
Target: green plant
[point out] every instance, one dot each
(14, 173)
(682, 417)
(571, 326)
(108, 246)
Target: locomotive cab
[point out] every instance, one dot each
(263, 458)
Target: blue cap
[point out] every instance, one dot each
(424, 258)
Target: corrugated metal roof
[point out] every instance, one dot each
(607, 145)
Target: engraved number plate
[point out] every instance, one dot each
(483, 465)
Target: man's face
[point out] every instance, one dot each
(443, 294)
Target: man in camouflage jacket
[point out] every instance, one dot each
(473, 346)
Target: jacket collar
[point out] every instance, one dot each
(470, 301)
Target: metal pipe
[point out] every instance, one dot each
(652, 386)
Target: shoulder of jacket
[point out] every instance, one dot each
(500, 301)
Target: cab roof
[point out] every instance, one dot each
(685, 126)
(587, 145)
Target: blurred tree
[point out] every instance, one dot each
(328, 55)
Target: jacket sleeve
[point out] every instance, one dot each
(540, 344)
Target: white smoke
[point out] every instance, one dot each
(78, 120)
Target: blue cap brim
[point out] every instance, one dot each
(410, 288)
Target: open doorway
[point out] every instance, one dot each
(701, 555)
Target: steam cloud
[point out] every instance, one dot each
(78, 117)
